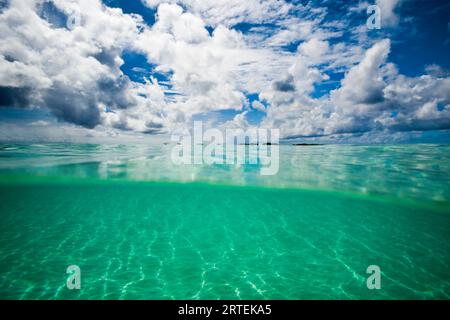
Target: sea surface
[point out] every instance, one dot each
(140, 227)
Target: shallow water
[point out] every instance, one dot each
(140, 227)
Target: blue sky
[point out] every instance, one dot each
(312, 69)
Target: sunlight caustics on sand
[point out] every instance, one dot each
(140, 227)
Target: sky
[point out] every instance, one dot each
(121, 70)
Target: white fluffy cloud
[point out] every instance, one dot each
(372, 96)
(208, 72)
(314, 49)
(75, 72)
(364, 83)
(387, 10)
(231, 12)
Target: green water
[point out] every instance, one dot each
(140, 227)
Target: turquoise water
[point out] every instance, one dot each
(140, 227)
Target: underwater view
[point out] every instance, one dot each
(140, 227)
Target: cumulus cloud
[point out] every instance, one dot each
(209, 72)
(66, 56)
(74, 73)
(231, 12)
(314, 49)
(372, 96)
(387, 10)
(258, 106)
(364, 83)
